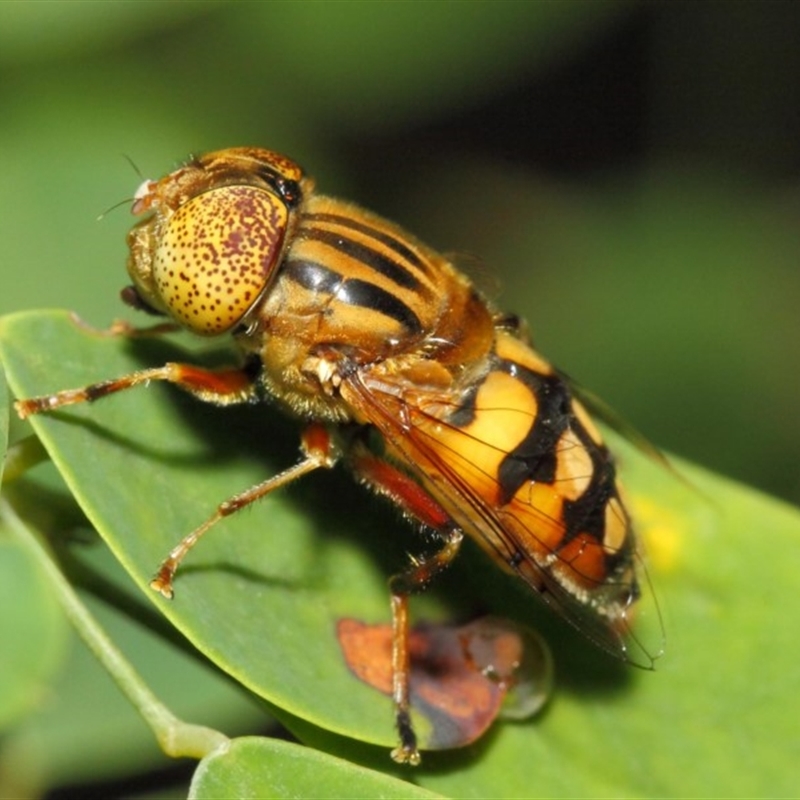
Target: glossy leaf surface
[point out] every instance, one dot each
(32, 627)
(261, 595)
(253, 767)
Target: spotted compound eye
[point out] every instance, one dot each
(216, 255)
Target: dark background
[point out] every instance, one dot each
(623, 175)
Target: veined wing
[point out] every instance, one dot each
(519, 466)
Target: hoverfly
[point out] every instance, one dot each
(363, 332)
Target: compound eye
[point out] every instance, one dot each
(216, 255)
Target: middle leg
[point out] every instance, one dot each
(418, 504)
(318, 451)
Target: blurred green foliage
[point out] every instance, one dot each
(624, 175)
(627, 176)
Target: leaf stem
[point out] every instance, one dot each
(175, 737)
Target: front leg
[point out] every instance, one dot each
(418, 504)
(221, 386)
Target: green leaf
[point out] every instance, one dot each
(262, 593)
(159, 462)
(32, 627)
(253, 767)
(88, 731)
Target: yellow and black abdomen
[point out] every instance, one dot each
(518, 464)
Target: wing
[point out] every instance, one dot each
(519, 466)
